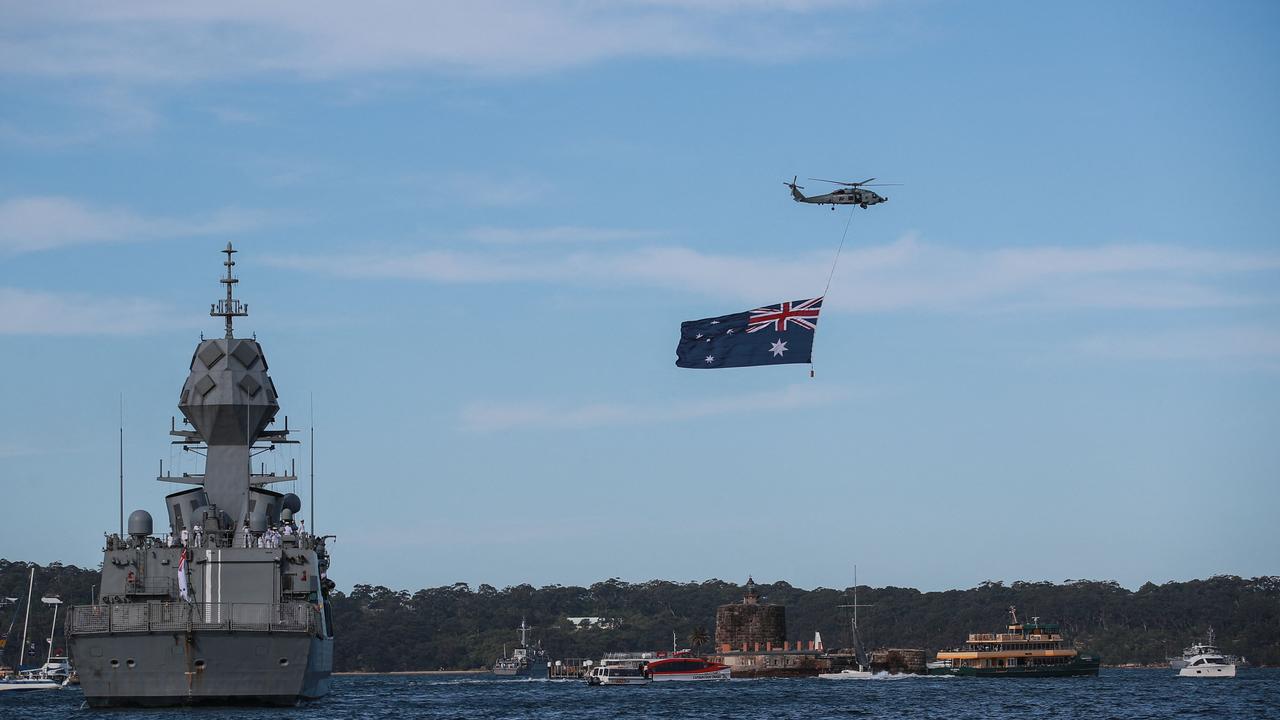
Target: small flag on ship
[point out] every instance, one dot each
(773, 335)
(183, 590)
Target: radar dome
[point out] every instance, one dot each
(139, 522)
(286, 515)
(292, 502)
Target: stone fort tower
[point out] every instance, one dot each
(751, 625)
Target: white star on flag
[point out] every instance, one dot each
(777, 348)
(710, 359)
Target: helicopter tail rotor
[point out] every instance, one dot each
(795, 189)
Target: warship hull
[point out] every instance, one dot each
(159, 654)
(153, 670)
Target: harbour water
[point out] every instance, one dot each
(1139, 694)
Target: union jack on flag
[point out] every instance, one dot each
(772, 335)
(803, 313)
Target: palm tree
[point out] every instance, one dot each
(698, 637)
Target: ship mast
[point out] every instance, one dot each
(230, 307)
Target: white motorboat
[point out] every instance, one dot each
(618, 674)
(848, 674)
(1205, 648)
(1208, 664)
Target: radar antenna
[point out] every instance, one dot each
(230, 307)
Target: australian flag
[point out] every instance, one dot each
(773, 335)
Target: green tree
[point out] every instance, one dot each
(698, 638)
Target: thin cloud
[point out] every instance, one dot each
(27, 312)
(85, 118)
(1249, 343)
(557, 234)
(35, 223)
(903, 275)
(490, 417)
(182, 42)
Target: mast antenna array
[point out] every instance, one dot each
(230, 307)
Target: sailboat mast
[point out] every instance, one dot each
(49, 657)
(22, 651)
(855, 601)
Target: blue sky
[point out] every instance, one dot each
(471, 231)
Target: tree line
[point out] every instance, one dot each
(456, 626)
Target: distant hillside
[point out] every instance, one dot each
(456, 626)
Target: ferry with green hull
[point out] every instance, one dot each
(1031, 650)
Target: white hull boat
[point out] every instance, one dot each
(618, 675)
(1208, 666)
(847, 674)
(35, 682)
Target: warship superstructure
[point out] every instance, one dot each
(231, 605)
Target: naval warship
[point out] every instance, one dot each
(230, 606)
(526, 661)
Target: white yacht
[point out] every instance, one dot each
(29, 681)
(1204, 660)
(1209, 663)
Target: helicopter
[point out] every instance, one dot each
(852, 194)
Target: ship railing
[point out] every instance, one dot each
(187, 617)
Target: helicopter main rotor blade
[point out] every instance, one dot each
(882, 184)
(841, 182)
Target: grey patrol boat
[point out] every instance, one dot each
(525, 661)
(231, 606)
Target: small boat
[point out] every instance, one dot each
(848, 674)
(1207, 661)
(686, 668)
(619, 674)
(29, 681)
(1033, 649)
(1206, 648)
(59, 668)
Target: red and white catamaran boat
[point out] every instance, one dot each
(687, 667)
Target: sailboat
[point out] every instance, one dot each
(861, 669)
(32, 679)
